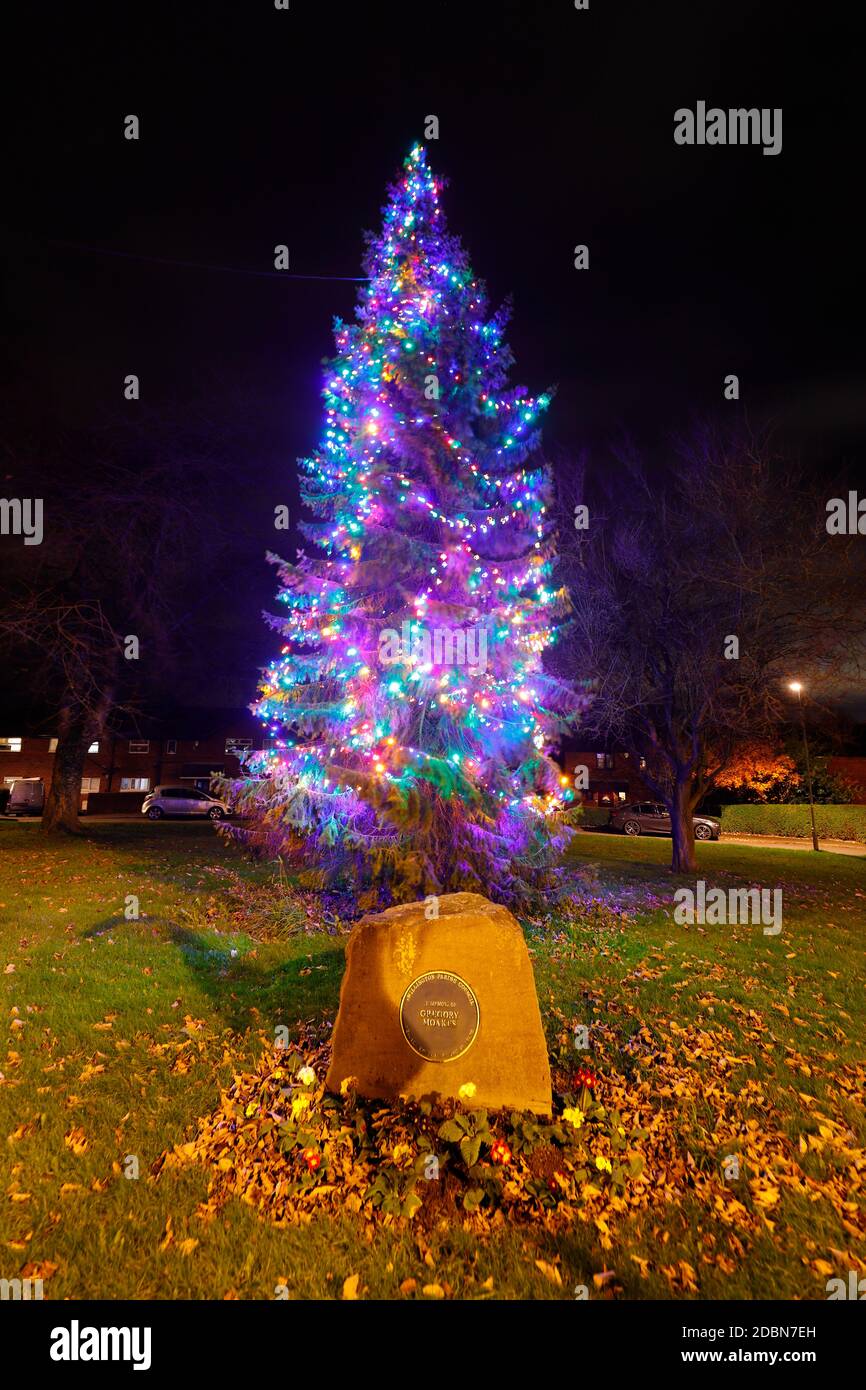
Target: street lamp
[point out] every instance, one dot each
(797, 689)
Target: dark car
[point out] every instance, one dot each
(651, 818)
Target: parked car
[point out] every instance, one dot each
(26, 797)
(651, 818)
(183, 801)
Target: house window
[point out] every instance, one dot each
(94, 747)
(170, 747)
(135, 784)
(604, 760)
(90, 784)
(52, 745)
(139, 745)
(10, 745)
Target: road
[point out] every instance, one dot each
(788, 842)
(770, 842)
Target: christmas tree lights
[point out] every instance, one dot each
(408, 718)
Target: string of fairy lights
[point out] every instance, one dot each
(425, 517)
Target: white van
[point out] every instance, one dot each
(27, 797)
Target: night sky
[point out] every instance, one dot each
(556, 128)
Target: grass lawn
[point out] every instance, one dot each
(122, 1032)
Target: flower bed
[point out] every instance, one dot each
(286, 1146)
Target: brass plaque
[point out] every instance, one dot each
(439, 1016)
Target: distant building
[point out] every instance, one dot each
(612, 778)
(186, 748)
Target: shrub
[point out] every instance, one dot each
(594, 816)
(832, 822)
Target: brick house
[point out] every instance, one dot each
(613, 777)
(189, 746)
(185, 748)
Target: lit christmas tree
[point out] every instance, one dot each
(409, 721)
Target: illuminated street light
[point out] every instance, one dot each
(797, 688)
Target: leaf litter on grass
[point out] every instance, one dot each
(642, 1139)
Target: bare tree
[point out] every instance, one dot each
(93, 617)
(696, 593)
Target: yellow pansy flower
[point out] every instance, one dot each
(299, 1105)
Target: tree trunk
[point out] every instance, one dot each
(64, 794)
(682, 830)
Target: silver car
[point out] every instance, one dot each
(183, 801)
(651, 818)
